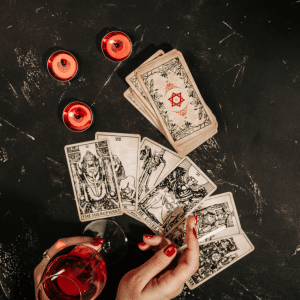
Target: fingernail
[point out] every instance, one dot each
(148, 236)
(142, 244)
(97, 241)
(170, 250)
(196, 220)
(194, 232)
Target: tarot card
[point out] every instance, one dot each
(136, 87)
(157, 162)
(174, 95)
(125, 150)
(93, 180)
(218, 255)
(212, 213)
(175, 196)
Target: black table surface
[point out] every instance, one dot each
(244, 58)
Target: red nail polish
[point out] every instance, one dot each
(196, 220)
(97, 241)
(194, 232)
(170, 250)
(142, 244)
(148, 236)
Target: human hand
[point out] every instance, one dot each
(58, 246)
(157, 279)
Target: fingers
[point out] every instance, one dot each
(157, 263)
(189, 261)
(153, 241)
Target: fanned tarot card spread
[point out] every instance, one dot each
(212, 213)
(174, 197)
(155, 162)
(93, 180)
(174, 95)
(125, 150)
(216, 256)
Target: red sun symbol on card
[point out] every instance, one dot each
(176, 99)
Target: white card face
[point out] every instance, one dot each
(175, 196)
(175, 98)
(125, 155)
(93, 180)
(216, 256)
(212, 213)
(155, 162)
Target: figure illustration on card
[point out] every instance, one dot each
(214, 256)
(151, 162)
(126, 183)
(171, 198)
(214, 217)
(93, 178)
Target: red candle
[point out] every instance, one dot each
(62, 65)
(116, 46)
(77, 116)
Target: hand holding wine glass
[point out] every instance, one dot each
(82, 271)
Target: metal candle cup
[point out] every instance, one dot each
(116, 46)
(62, 65)
(77, 116)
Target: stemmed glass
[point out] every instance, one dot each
(80, 273)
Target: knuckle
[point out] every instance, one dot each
(158, 262)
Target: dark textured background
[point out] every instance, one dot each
(244, 56)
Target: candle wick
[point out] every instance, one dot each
(117, 45)
(63, 61)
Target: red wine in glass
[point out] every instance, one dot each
(77, 116)
(80, 274)
(62, 65)
(116, 46)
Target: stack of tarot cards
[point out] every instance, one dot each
(118, 173)
(164, 91)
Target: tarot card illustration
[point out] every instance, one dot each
(157, 161)
(175, 196)
(93, 180)
(218, 255)
(212, 213)
(125, 156)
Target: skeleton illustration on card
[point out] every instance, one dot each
(175, 196)
(93, 180)
(212, 213)
(218, 255)
(125, 155)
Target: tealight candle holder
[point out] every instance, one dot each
(116, 46)
(62, 65)
(77, 116)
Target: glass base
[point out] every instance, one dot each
(115, 245)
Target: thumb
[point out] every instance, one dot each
(155, 265)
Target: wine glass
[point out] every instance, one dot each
(115, 241)
(80, 272)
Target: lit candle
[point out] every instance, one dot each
(62, 65)
(116, 46)
(77, 116)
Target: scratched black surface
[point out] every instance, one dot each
(244, 56)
